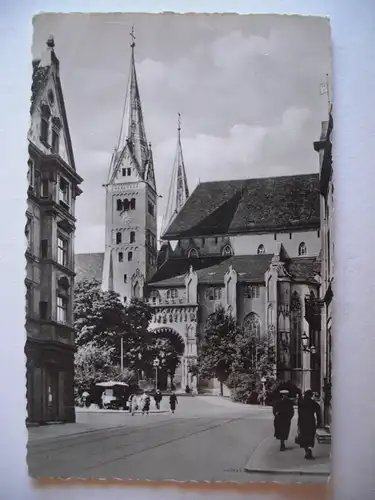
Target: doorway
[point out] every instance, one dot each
(52, 376)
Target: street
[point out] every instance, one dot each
(207, 439)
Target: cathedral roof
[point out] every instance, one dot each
(249, 268)
(250, 205)
(89, 266)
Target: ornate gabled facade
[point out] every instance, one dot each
(321, 309)
(253, 247)
(53, 188)
(131, 202)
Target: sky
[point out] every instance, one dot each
(247, 88)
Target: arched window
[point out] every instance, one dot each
(295, 330)
(132, 237)
(193, 253)
(227, 251)
(261, 250)
(120, 257)
(132, 204)
(302, 249)
(126, 204)
(155, 296)
(130, 256)
(119, 205)
(118, 238)
(251, 325)
(252, 292)
(172, 293)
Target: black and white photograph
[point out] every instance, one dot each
(180, 251)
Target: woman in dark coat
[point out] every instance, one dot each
(309, 419)
(173, 401)
(284, 412)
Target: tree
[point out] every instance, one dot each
(92, 364)
(218, 349)
(98, 316)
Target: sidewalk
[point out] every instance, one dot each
(266, 458)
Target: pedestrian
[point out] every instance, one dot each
(158, 397)
(146, 404)
(130, 403)
(173, 402)
(187, 389)
(309, 419)
(283, 411)
(86, 399)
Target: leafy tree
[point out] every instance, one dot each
(218, 348)
(92, 364)
(98, 316)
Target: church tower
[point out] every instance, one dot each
(131, 201)
(178, 190)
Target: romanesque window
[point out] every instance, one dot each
(227, 251)
(302, 249)
(31, 172)
(62, 309)
(155, 296)
(62, 251)
(118, 238)
(132, 204)
(120, 257)
(251, 325)
(44, 123)
(44, 188)
(130, 256)
(252, 292)
(28, 233)
(123, 172)
(172, 293)
(214, 293)
(64, 191)
(296, 330)
(132, 237)
(125, 278)
(119, 205)
(126, 204)
(129, 171)
(193, 253)
(261, 250)
(151, 209)
(55, 141)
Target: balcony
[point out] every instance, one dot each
(313, 307)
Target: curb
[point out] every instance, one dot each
(290, 472)
(156, 412)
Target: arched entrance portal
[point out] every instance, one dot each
(170, 349)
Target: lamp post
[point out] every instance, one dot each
(122, 354)
(306, 347)
(156, 366)
(139, 359)
(263, 380)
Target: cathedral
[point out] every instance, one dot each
(252, 246)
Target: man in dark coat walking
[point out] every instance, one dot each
(309, 419)
(172, 402)
(284, 412)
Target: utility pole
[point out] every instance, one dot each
(122, 354)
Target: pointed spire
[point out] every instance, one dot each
(132, 131)
(179, 190)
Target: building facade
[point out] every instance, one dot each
(50, 227)
(324, 148)
(251, 245)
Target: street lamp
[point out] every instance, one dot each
(156, 366)
(139, 359)
(305, 344)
